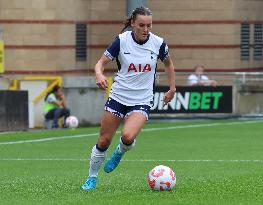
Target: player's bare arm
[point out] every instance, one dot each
(63, 101)
(101, 79)
(169, 69)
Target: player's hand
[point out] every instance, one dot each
(168, 96)
(101, 81)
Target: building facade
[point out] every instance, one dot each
(68, 36)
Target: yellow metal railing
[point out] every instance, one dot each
(2, 56)
(54, 80)
(14, 85)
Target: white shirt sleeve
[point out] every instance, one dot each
(192, 79)
(204, 78)
(51, 98)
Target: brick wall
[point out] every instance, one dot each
(40, 34)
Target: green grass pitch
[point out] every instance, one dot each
(216, 162)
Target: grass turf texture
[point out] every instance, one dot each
(51, 172)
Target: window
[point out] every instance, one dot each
(257, 42)
(245, 34)
(81, 42)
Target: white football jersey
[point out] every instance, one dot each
(137, 64)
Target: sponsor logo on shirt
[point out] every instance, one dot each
(139, 68)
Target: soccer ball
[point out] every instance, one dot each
(161, 178)
(72, 122)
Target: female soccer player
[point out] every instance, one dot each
(131, 96)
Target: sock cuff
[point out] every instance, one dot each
(101, 150)
(121, 141)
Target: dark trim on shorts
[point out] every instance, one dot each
(123, 111)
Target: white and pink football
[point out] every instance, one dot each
(72, 122)
(161, 178)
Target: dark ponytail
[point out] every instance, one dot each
(138, 11)
(127, 24)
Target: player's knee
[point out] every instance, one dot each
(127, 137)
(104, 143)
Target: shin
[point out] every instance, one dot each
(96, 159)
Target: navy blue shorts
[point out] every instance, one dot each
(123, 111)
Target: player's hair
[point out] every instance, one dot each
(55, 89)
(138, 11)
(199, 66)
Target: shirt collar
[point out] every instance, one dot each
(140, 42)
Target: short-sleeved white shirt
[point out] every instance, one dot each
(195, 79)
(137, 64)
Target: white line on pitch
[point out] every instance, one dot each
(143, 160)
(143, 130)
(49, 139)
